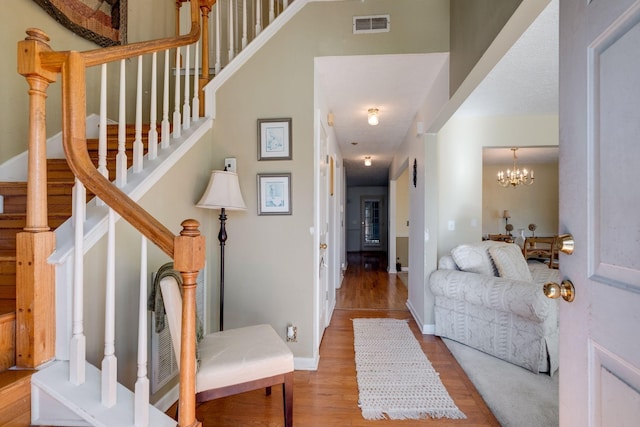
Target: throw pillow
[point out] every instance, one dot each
(474, 258)
(510, 262)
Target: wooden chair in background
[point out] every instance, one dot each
(542, 248)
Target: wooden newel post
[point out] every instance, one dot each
(189, 253)
(38, 79)
(35, 278)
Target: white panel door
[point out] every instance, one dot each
(600, 207)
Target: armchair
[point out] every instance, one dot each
(489, 298)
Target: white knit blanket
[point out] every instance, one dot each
(394, 375)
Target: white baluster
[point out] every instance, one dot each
(272, 14)
(231, 27)
(102, 128)
(218, 65)
(166, 125)
(285, 5)
(153, 115)
(78, 347)
(121, 157)
(196, 85)
(138, 147)
(102, 135)
(141, 417)
(186, 109)
(109, 362)
(258, 17)
(176, 102)
(245, 27)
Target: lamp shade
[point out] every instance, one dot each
(223, 191)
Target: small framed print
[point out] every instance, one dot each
(274, 194)
(274, 139)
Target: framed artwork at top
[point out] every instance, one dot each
(274, 139)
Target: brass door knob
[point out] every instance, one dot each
(564, 290)
(323, 246)
(565, 243)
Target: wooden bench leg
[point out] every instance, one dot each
(287, 396)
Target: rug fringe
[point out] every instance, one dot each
(372, 414)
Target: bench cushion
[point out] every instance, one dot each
(241, 355)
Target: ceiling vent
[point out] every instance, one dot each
(371, 24)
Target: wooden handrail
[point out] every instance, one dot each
(75, 147)
(72, 65)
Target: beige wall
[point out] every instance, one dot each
(460, 180)
(271, 277)
(474, 25)
(537, 203)
(402, 253)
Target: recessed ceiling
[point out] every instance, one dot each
(525, 81)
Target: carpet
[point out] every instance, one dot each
(395, 378)
(517, 397)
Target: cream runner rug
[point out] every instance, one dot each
(394, 375)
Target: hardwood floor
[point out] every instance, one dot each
(329, 396)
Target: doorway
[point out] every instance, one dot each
(370, 219)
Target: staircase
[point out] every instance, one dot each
(15, 388)
(58, 392)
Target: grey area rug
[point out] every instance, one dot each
(517, 397)
(395, 378)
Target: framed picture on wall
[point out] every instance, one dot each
(274, 194)
(274, 139)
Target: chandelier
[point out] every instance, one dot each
(514, 177)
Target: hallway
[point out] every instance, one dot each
(329, 396)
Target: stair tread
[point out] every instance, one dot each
(7, 306)
(54, 380)
(11, 376)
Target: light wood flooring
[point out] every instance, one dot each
(329, 396)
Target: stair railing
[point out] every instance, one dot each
(235, 24)
(36, 278)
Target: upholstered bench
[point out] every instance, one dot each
(236, 360)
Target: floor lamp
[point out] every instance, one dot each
(223, 192)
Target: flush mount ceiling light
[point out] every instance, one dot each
(373, 116)
(367, 161)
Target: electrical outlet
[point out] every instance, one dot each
(230, 164)
(292, 333)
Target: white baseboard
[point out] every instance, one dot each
(306, 363)
(425, 328)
